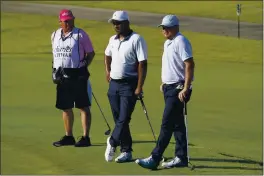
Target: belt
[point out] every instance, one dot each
(174, 84)
(124, 79)
(178, 85)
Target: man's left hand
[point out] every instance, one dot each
(183, 94)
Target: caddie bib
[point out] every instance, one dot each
(66, 49)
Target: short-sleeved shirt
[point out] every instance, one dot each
(176, 51)
(125, 55)
(69, 51)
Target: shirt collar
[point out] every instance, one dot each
(127, 37)
(170, 41)
(69, 33)
(64, 37)
(176, 35)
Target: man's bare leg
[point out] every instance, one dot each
(86, 124)
(86, 120)
(68, 119)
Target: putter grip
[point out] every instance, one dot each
(184, 108)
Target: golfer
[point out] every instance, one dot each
(72, 54)
(177, 75)
(126, 69)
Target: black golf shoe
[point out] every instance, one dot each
(83, 142)
(64, 141)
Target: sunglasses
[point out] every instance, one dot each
(66, 21)
(117, 22)
(165, 28)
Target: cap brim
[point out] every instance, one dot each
(162, 25)
(169, 26)
(110, 20)
(67, 18)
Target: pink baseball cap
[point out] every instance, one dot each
(66, 14)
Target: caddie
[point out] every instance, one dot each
(72, 54)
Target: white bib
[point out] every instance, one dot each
(66, 49)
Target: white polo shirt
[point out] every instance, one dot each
(176, 51)
(125, 55)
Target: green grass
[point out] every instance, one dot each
(225, 113)
(251, 10)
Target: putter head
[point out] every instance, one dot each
(107, 132)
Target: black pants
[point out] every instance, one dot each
(173, 122)
(121, 95)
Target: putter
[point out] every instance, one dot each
(185, 119)
(109, 129)
(146, 113)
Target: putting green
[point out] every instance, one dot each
(251, 10)
(225, 113)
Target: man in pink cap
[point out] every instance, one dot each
(72, 54)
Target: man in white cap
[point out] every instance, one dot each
(177, 76)
(126, 69)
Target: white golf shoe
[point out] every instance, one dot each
(176, 162)
(110, 151)
(124, 157)
(148, 163)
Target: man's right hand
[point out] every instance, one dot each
(108, 78)
(161, 87)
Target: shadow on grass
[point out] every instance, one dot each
(131, 161)
(241, 161)
(210, 167)
(139, 142)
(226, 167)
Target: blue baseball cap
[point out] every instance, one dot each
(169, 21)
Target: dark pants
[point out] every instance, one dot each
(121, 95)
(173, 122)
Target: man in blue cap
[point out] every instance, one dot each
(177, 76)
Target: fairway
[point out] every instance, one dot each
(251, 10)
(224, 117)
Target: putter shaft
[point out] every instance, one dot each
(101, 112)
(146, 113)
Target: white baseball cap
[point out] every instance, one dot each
(169, 21)
(119, 16)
